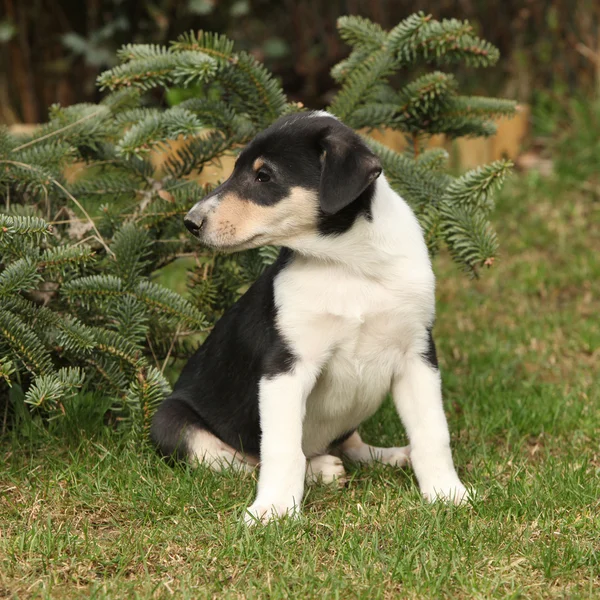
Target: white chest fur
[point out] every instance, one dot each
(357, 318)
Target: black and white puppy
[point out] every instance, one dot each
(311, 350)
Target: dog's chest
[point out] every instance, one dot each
(354, 380)
(359, 329)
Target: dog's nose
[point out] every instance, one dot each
(194, 226)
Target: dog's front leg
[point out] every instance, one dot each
(418, 398)
(282, 403)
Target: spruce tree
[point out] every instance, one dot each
(78, 255)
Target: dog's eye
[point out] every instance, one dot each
(262, 176)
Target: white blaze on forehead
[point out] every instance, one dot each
(309, 114)
(322, 113)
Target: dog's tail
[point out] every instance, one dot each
(172, 424)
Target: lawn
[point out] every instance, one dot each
(86, 513)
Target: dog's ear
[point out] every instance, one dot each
(348, 167)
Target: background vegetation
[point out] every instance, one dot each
(90, 226)
(53, 50)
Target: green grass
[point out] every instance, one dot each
(86, 513)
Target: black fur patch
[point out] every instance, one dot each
(218, 387)
(342, 221)
(430, 355)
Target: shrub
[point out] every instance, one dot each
(80, 253)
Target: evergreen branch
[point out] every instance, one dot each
(129, 318)
(442, 42)
(216, 45)
(358, 31)
(116, 346)
(47, 390)
(131, 52)
(477, 106)
(475, 188)
(360, 83)
(167, 304)
(200, 151)
(264, 93)
(268, 254)
(267, 100)
(120, 182)
(40, 318)
(90, 220)
(419, 102)
(49, 180)
(32, 227)
(93, 288)
(407, 31)
(434, 159)
(54, 155)
(56, 259)
(7, 368)
(27, 178)
(217, 114)
(25, 345)
(428, 95)
(64, 330)
(110, 372)
(454, 127)
(147, 390)
(154, 129)
(136, 114)
(20, 276)
(469, 237)
(131, 246)
(52, 131)
(374, 115)
(121, 100)
(169, 68)
(429, 219)
(341, 71)
(72, 335)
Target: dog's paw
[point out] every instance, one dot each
(264, 512)
(326, 469)
(397, 457)
(452, 492)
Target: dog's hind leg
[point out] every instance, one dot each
(355, 449)
(325, 468)
(207, 449)
(179, 433)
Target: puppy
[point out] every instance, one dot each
(341, 319)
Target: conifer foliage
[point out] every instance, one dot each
(80, 306)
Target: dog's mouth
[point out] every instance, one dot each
(227, 247)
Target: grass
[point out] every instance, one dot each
(86, 513)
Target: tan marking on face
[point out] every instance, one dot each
(238, 223)
(258, 163)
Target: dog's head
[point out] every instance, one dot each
(307, 173)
